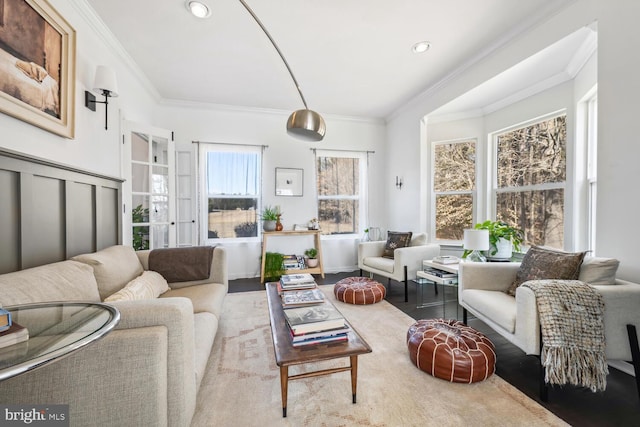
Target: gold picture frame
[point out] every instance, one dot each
(37, 66)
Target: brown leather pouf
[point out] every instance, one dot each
(450, 350)
(359, 290)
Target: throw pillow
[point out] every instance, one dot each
(396, 240)
(113, 267)
(149, 285)
(544, 263)
(599, 271)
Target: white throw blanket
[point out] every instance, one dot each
(572, 322)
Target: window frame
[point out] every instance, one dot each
(435, 194)
(492, 168)
(203, 199)
(362, 198)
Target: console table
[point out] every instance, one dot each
(56, 330)
(316, 241)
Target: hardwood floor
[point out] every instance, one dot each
(619, 405)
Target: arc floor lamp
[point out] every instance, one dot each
(304, 124)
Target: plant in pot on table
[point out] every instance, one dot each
(269, 218)
(311, 255)
(503, 239)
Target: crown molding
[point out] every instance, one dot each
(533, 20)
(227, 108)
(104, 33)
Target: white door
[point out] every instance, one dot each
(186, 194)
(149, 187)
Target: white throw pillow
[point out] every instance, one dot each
(149, 285)
(599, 271)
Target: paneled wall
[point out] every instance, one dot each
(50, 212)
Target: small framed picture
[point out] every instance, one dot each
(289, 182)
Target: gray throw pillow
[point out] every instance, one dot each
(545, 263)
(396, 240)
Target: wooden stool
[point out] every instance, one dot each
(450, 350)
(359, 290)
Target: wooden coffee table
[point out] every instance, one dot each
(287, 355)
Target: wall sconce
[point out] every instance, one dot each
(398, 182)
(105, 83)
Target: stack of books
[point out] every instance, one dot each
(290, 262)
(296, 281)
(320, 323)
(14, 335)
(439, 273)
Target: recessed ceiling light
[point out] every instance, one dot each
(198, 9)
(421, 47)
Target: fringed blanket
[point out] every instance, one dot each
(572, 322)
(182, 264)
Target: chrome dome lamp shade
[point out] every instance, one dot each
(303, 124)
(307, 125)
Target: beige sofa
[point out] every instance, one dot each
(145, 372)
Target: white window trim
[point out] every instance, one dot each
(434, 194)
(363, 190)
(492, 167)
(205, 148)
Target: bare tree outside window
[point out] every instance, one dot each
(531, 175)
(454, 183)
(338, 181)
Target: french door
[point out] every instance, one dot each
(149, 217)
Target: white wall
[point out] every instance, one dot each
(93, 148)
(618, 142)
(257, 127)
(406, 137)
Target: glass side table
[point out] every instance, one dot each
(427, 278)
(56, 330)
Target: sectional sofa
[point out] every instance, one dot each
(145, 372)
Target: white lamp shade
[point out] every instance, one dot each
(105, 80)
(476, 240)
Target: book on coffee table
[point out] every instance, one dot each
(297, 298)
(313, 318)
(321, 340)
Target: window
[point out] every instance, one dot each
(454, 185)
(530, 180)
(341, 180)
(592, 150)
(232, 188)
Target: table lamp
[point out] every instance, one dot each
(476, 241)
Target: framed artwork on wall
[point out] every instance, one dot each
(289, 182)
(37, 66)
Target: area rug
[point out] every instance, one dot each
(241, 386)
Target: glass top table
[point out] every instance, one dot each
(56, 329)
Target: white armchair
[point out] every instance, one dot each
(482, 292)
(405, 263)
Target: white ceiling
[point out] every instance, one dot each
(351, 58)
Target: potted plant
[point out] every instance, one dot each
(269, 218)
(503, 239)
(311, 255)
(273, 266)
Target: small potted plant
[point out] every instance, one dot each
(269, 218)
(311, 255)
(503, 239)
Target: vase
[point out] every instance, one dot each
(505, 250)
(278, 224)
(312, 262)
(269, 225)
